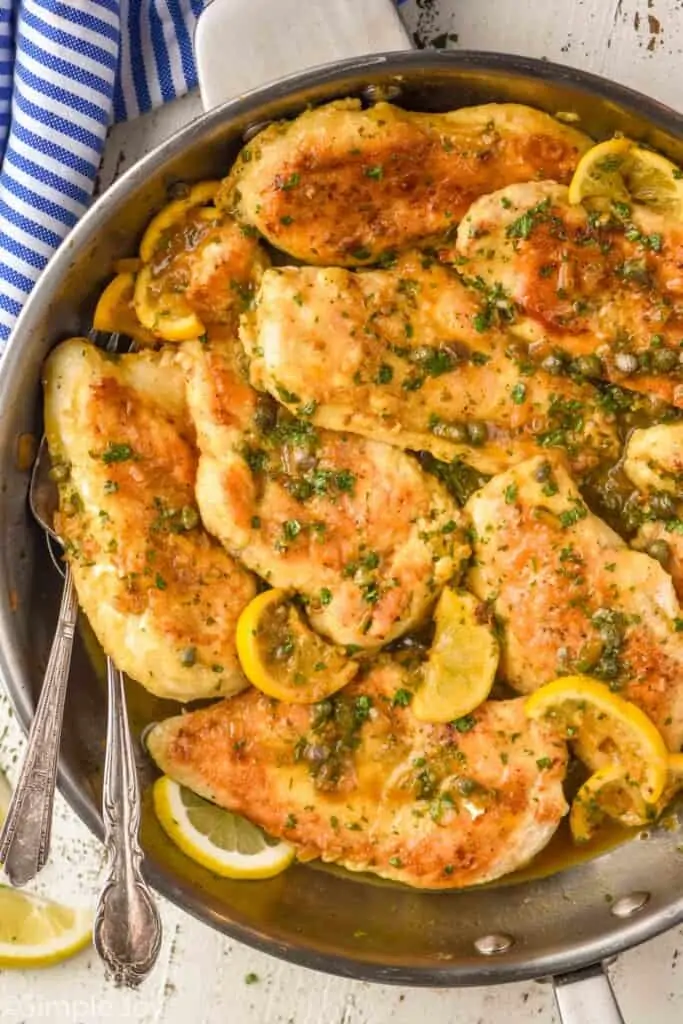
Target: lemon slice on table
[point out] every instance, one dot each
(282, 656)
(462, 661)
(598, 173)
(35, 932)
(621, 171)
(606, 730)
(219, 840)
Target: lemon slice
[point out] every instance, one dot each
(200, 194)
(621, 171)
(654, 181)
(115, 313)
(462, 661)
(598, 173)
(217, 839)
(282, 656)
(167, 315)
(35, 932)
(606, 730)
(607, 794)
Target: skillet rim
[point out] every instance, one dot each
(515, 967)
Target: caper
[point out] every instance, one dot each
(608, 667)
(660, 550)
(421, 353)
(553, 363)
(590, 653)
(477, 433)
(60, 472)
(644, 362)
(453, 431)
(626, 362)
(189, 517)
(662, 505)
(188, 657)
(589, 366)
(322, 712)
(542, 472)
(664, 360)
(316, 753)
(265, 413)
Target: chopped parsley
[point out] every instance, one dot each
(117, 453)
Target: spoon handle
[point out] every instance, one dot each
(127, 931)
(25, 837)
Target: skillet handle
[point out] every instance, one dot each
(586, 997)
(241, 45)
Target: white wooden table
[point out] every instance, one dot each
(202, 978)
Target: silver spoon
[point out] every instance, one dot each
(25, 836)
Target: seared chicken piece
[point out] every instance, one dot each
(412, 357)
(572, 597)
(653, 461)
(161, 595)
(353, 525)
(358, 781)
(348, 186)
(611, 287)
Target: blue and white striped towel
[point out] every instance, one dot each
(67, 70)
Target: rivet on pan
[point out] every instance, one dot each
(252, 130)
(631, 904)
(490, 945)
(381, 93)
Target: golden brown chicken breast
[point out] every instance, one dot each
(343, 185)
(412, 357)
(162, 596)
(608, 288)
(353, 525)
(572, 596)
(356, 780)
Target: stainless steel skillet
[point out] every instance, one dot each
(330, 921)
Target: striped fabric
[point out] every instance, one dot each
(67, 70)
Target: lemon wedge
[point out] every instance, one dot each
(654, 181)
(219, 840)
(35, 932)
(606, 730)
(621, 171)
(201, 194)
(282, 656)
(607, 794)
(115, 313)
(462, 662)
(166, 314)
(598, 173)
